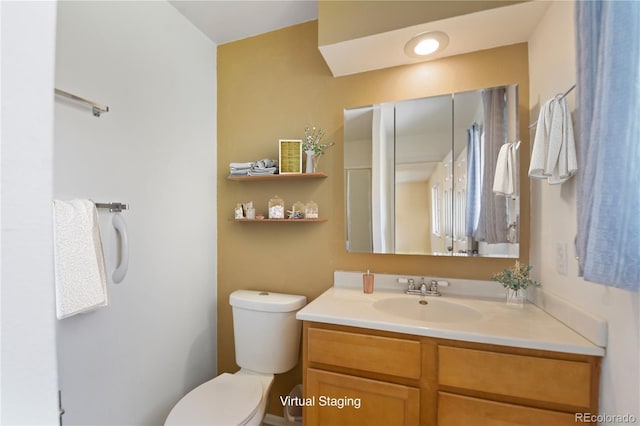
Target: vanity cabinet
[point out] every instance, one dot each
(431, 381)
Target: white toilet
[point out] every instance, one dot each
(267, 339)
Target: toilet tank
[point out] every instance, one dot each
(266, 332)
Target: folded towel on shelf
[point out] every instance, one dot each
(239, 172)
(554, 153)
(254, 168)
(246, 165)
(80, 276)
(264, 164)
(260, 172)
(505, 180)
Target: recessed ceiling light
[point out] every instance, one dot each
(426, 44)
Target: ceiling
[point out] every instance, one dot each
(487, 29)
(224, 21)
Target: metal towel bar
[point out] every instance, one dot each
(532, 125)
(113, 207)
(96, 108)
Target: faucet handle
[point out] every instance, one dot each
(409, 281)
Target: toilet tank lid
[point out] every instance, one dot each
(266, 301)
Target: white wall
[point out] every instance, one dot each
(553, 217)
(129, 363)
(29, 381)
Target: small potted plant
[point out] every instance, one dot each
(313, 147)
(516, 280)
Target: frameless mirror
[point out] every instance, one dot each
(423, 176)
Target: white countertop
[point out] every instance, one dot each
(529, 327)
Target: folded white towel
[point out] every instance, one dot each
(504, 182)
(265, 164)
(259, 172)
(80, 276)
(554, 153)
(240, 165)
(239, 172)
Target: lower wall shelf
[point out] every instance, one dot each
(279, 220)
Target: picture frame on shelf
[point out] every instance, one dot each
(290, 156)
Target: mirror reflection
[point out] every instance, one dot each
(435, 176)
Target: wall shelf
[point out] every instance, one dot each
(279, 220)
(279, 177)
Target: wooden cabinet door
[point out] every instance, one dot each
(339, 399)
(458, 410)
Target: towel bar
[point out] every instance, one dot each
(96, 108)
(532, 125)
(121, 228)
(116, 207)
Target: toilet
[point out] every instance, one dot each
(267, 340)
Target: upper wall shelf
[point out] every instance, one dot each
(279, 177)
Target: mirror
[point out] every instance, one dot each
(423, 176)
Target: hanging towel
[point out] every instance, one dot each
(80, 276)
(505, 180)
(554, 153)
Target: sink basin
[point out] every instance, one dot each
(435, 310)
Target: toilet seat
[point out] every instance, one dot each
(229, 399)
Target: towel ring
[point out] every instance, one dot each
(121, 228)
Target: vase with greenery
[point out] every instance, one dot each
(314, 147)
(515, 280)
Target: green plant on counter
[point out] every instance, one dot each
(516, 277)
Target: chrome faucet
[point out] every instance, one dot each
(422, 288)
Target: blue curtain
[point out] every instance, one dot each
(608, 108)
(474, 178)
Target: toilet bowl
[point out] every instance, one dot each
(267, 340)
(229, 399)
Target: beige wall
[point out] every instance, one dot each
(270, 87)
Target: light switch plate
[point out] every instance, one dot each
(561, 258)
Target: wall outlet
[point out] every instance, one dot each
(561, 258)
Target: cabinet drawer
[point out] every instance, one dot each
(542, 379)
(376, 354)
(366, 402)
(456, 410)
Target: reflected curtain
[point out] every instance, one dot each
(492, 222)
(382, 183)
(474, 178)
(608, 108)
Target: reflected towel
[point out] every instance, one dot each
(80, 276)
(504, 182)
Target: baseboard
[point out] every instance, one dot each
(273, 420)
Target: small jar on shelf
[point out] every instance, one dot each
(297, 211)
(276, 208)
(311, 210)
